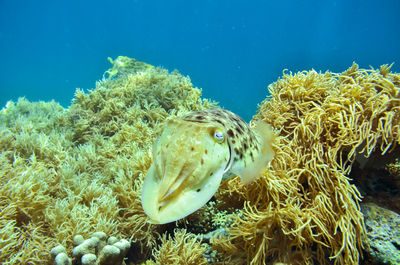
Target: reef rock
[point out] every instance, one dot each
(382, 233)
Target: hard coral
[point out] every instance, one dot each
(304, 209)
(95, 250)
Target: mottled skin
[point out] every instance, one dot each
(243, 142)
(192, 155)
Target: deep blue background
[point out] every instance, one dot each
(231, 49)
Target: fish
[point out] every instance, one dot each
(194, 153)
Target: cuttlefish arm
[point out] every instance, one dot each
(190, 158)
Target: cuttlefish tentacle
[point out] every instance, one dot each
(193, 154)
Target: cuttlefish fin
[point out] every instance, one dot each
(265, 155)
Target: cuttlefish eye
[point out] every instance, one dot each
(219, 135)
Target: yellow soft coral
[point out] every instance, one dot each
(79, 170)
(305, 209)
(183, 249)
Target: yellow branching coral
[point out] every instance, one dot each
(183, 249)
(79, 170)
(22, 241)
(304, 208)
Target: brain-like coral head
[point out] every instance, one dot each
(189, 160)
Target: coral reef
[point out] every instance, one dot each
(31, 148)
(183, 248)
(98, 250)
(304, 209)
(75, 171)
(79, 170)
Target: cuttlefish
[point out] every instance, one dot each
(193, 154)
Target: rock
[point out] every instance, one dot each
(383, 233)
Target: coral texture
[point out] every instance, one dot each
(97, 250)
(79, 170)
(68, 172)
(304, 208)
(182, 248)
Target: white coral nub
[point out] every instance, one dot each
(96, 250)
(60, 255)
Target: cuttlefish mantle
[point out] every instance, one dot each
(192, 155)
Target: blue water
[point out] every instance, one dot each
(231, 49)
